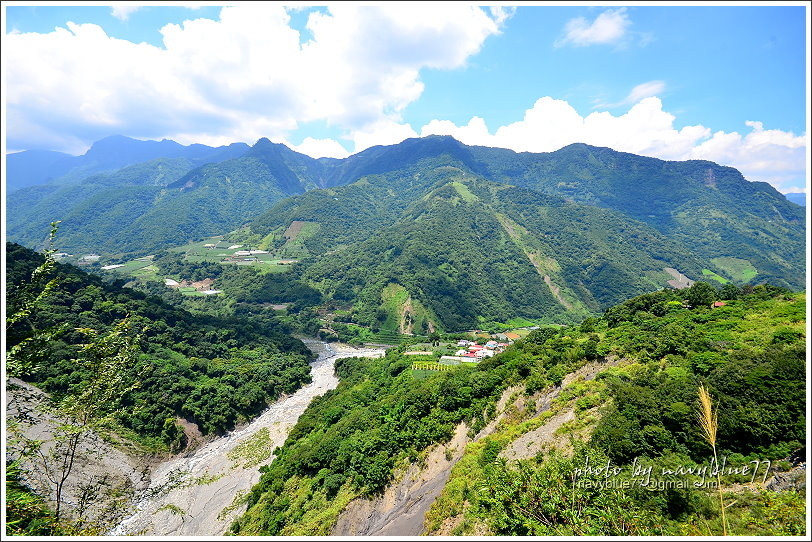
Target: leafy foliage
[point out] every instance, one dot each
(383, 416)
(739, 229)
(214, 371)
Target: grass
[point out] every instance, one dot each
(464, 193)
(422, 373)
(708, 424)
(190, 291)
(711, 275)
(736, 268)
(520, 322)
(138, 269)
(253, 450)
(294, 247)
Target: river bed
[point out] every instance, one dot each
(198, 494)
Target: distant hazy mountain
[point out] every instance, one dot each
(34, 167)
(797, 197)
(159, 203)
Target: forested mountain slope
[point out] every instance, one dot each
(161, 203)
(709, 207)
(650, 354)
(743, 229)
(470, 251)
(212, 371)
(466, 250)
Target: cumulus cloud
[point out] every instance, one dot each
(773, 156)
(608, 28)
(319, 148)
(384, 132)
(238, 78)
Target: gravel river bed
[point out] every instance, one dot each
(198, 494)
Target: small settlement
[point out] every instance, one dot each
(467, 352)
(471, 352)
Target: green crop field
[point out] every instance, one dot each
(736, 268)
(711, 275)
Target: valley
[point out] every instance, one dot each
(199, 493)
(407, 340)
(406, 270)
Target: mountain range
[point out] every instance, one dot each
(455, 233)
(36, 167)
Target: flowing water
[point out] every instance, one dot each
(199, 494)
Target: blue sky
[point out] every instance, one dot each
(726, 83)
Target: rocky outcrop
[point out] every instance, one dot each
(401, 509)
(793, 479)
(103, 478)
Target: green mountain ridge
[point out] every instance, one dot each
(473, 234)
(469, 249)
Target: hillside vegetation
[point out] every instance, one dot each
(212, 371)
(640, 411)
(708, 209)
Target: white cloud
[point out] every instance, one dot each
(773, 156)
(608, 28)
(123, 11)
(475, 130)
(383, 132)
(239, 78)
(319, 148)
(644, 90)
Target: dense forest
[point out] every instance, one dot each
(709, 209)
(214, 371)
(749, 354)
(417, 242)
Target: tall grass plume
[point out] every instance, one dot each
(709, 424)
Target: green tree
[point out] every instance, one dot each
(729, 291)
(701, 294)
(92, 404)
(23, 301)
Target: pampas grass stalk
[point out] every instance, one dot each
(709, 423)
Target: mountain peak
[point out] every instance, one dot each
(106, 143)
(264, 142)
